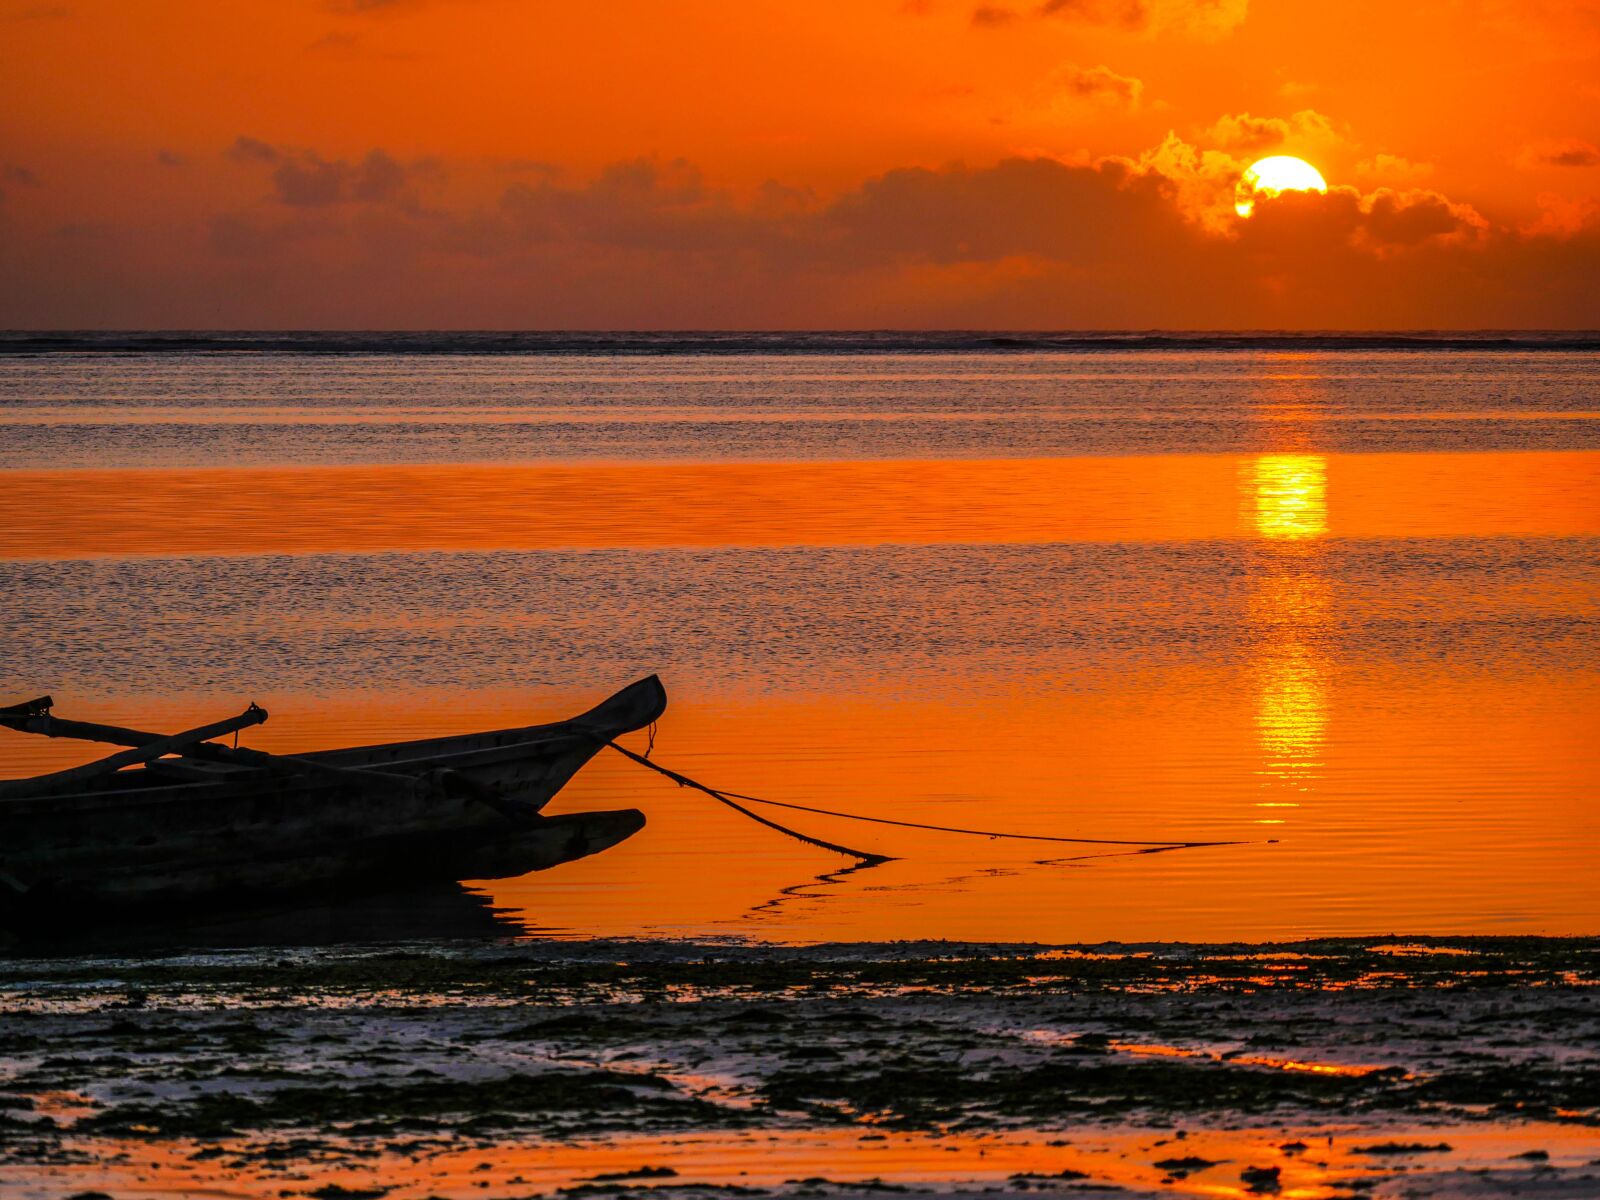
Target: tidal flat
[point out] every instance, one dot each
(1395, 1067)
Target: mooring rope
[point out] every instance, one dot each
(730, 798)
(865, 856)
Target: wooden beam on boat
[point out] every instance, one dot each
(35, 717)
(364, 778)
(193, 770)
(145, 748)
(12, 713)
(282, 764)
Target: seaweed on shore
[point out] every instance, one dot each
(591, 1096)
(923, 1094)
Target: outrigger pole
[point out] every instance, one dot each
(35, 717)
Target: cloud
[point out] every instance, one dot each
(1205, 173)
(1035, 209)
(1203, 180)
(640, 204)
(384, 8)
(311, 181)
(1202, 17)
(1243, 134)
(1101, 85)
(171, 158)
(370, 6)
(993, 16)
(1408, 218)
(13, 175)
(248, 236)
(249, 149)
(1039, 207)
(1393, 170)
(1564, 217)
(336, 45)
(304, 179)
(1206, 18)
(1020, 207)
(1027, 242)
(1130, 14)
(39, 12)
(1568, 152)
(1379, 224)
(308, 180)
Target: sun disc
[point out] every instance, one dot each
(1269, 176)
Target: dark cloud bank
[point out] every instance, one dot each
(1025, 243)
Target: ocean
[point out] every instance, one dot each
(1331, 599)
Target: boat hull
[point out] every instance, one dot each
(462, 808)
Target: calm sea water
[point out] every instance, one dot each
(1337, 604)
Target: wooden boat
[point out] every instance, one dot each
(181, 822)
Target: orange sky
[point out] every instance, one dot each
(1044, 164)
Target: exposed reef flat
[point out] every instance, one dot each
(1378, 1067)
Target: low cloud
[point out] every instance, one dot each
(13, 176)
(1382, 223)
(1564, 216)
(39, 12)
(993, 16)
(1101, 85)
(1392, 170)
(1568, 152)
(249, 149)
(1244, 134)
(304, 179)
(1027, 242)
(1206, 172)
(1206, 18)
(639, 204)
(371, 6)
(1410, 217)
(1202, 180)
(1130, 14)
(1108, 211)
(335, 45)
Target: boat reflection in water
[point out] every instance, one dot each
(432, 912)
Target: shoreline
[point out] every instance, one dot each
(1392, 1066)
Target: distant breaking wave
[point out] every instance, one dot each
(713, 343)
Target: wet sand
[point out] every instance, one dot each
(1393, 1067)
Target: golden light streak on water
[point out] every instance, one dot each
(1291, 717)
(1290, 494)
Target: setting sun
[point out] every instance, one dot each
(1269, 176)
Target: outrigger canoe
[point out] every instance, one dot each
(182, 822)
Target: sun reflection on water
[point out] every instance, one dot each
(1291, 715)
(1290, 495)
(1287, 495)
